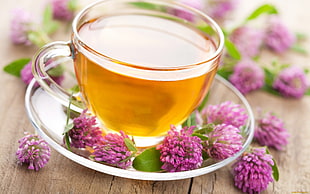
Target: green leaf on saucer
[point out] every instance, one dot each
(15, 67)
(264, 9)
(205, 129)
(232, 49)
(202, 137)
(130, 145)
(205, 155)
(67, 141)
(68, 127)
(75, 89)
(148, 161)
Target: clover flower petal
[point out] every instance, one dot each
(225, 113)
(33, 150)
(85, 131)
(180, 151)
(113, 151)
(224, 141)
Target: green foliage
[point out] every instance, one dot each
(130, 145)
(299, 49)
(49, 25)
(225, 73)
(207, 29)
(264, 9)
(148, 161)
(73, 5)
(205, 129)
(56, 71)
(232, 49)
(275, 170)
(15, 67)
(68, 126)
(190, 121)
(75, 89)
(144, 5)
(203, 103)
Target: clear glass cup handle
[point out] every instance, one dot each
(49, 56)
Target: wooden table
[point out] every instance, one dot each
(61, 175)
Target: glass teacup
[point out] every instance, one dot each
(141, 66)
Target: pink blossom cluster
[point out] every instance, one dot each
(180, 151)
(253, 170)
(34, 151)
(247, 76)
(270, 131)
(112, 150)
(291, 82)
(276, 36)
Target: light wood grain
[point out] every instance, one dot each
(61, 175)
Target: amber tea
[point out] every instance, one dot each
(146, 77)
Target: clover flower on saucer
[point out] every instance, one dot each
(33, 150)
(113, 151)
(253, 170)
(247, 76)
(85, 131)
(227, 112)
(223, 142)
(270, 131)
(180, 151)
(291, 82)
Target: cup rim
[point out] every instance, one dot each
(211, 22)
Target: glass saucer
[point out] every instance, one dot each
(48, 118)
